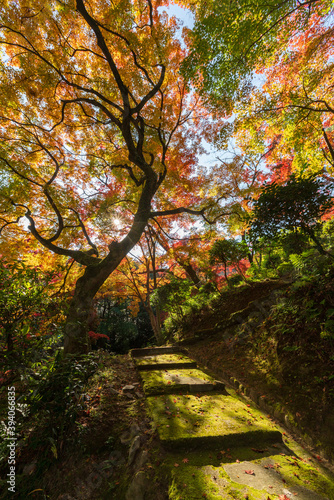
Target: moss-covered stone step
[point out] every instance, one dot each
(243, 473)
(189, 421)
(155, 351)
(178, 381)
(164, 361)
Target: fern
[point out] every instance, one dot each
(298, 262)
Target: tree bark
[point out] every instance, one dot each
(191, 273)
(250, 254)
(80, 310)
(76, 339)
(313, 237)
(156, 326)
(10, 343)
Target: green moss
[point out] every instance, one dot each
(163, 358)
(190, 482)
(160, 381)
(191, 485)
(297, 472)
(204, 420)
(196, 474)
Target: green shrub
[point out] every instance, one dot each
(58, 397)
(236, 279)
(311, 263)
(285, 268)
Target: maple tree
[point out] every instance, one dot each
(293, 110)
(94, 133)
(230, 40)
(230, 252)
(271, 64)
(163, 259)
(137, 277)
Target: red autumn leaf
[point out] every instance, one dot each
(176, 465)
(251, 472)
(185, 460)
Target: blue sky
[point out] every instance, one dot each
(184, 14)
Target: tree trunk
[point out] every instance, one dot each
(80, 312)
(79, 317)
(250, 254)
(10, 343)
(191, 273)
(155, 322)
(81, 306)
(225, 274)
(313, 237)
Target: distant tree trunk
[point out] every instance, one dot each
(10, 343)
(225, 273)
(191, 273)
(250, 254)
(241, 273)
(156, 324)
(313, 237)
(330, 148)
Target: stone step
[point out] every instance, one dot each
(164, 361)
(273, 472)
(216, 442)
(169, 366)
(154, 351)
(188, 422)
(170, 381)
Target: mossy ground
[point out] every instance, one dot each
(222, 423)
(86, 469)
(208, 418)
(194, 476)
(163, 358)
(163, 381)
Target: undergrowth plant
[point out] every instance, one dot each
(57, 399)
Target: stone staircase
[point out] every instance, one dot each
(197, 417)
